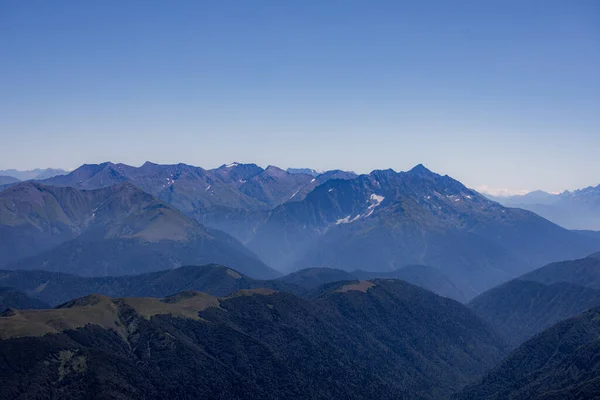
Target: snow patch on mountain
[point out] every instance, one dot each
(375, 200)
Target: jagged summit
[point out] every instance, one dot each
(420, 169)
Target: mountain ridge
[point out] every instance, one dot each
(115, 230)
(414, 217)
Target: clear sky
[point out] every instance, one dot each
(499, 93)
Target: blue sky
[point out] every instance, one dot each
(498, 93)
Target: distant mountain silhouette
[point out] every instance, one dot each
(308, 171)
(33, 174)
(12, 298)
(7, 180)
(579, 209)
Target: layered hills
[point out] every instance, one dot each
(56, 288)
(379, 222)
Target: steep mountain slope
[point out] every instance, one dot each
(12, 298)
(56, 288)
(385, 220)
(579, 209)
(379, 339)
(521, 308)
(560, 363)
(117, 230)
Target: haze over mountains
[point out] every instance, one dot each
(579, 209)
(314, 273)
(382, 221)
(385, 220)
(117, 230)
(55, 288)
(37, 173)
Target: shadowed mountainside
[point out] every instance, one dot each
(370, 339)
(523, 307)
(560, 363)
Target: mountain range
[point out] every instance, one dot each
(386, 220)
(117, 230)
(232, 198)
(578, 209)
(380, 339)
(378, 222)
(32, 174)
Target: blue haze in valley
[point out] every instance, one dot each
(504, 94)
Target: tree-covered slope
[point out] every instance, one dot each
(525, 306)
(371, 339)
(562, 362)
